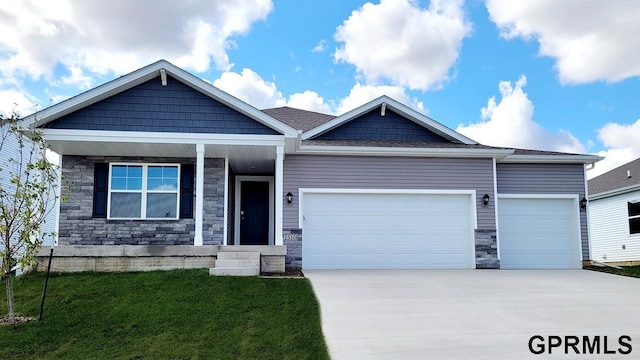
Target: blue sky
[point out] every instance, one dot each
(538, 74)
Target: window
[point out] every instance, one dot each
(143, 191)
(634, 217)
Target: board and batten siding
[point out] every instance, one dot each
(609, 226)
(546, 179)
(372, 172)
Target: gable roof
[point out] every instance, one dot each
(137, 77)
(299, 119)
(617, 181)
(396, 106)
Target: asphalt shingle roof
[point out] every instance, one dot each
(616, 178)
(298, 119)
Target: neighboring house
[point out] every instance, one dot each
(614, 215)
(160, 157)
(9, 160)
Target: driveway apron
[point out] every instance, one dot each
(479, 314)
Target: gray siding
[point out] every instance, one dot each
(303, 171)
(546, 179)
(372, 126)
(77, 227)
(153, 107)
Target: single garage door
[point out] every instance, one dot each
(538, 233)
(382, 231)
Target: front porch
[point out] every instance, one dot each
(109, 258)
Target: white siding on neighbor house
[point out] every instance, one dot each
(609, 226)
(10, 149)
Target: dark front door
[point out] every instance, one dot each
(254, 213)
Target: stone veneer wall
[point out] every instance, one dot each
(292, 238)
(486, 249)
(77, 227)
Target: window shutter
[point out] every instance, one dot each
(186, 191)
(100, 193)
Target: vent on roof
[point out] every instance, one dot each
(628, 174)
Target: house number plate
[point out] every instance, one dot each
(291, 237)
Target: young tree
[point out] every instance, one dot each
(27, 196)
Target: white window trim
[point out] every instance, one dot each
(630, 217)
(143, 191)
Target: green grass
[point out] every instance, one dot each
(632, 271)
(184, 314)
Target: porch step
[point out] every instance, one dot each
(234, 271)
(238, 255)
(236, 263)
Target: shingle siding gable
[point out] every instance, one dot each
(372, 126)
(156, 108)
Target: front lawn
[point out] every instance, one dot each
(184, 314)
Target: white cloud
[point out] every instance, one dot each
(322, 46)
(17, 101)
(249, 87)
(621, 143)
(590, 40)
(97, 37)
(309, 100)
(404, 44)
(361, 94)
(509, 123)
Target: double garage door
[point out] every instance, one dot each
(364, 230)
(344, 230)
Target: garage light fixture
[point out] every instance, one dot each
(289, 197)
(485, 199)
(583, 203)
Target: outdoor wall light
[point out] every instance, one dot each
(289, 197)
(485, 199)
(583, 203)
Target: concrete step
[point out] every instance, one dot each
(234, 271)
(238, 255)
(237, 263)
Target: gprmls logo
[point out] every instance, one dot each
(570, 344)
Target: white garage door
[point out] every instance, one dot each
(381, 231)
(538, 233)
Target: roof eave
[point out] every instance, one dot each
(399, 151)
(614, 192)
(554, 159)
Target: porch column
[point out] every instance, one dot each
(197, 241)
(278, 194)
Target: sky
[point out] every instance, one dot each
(537, 74)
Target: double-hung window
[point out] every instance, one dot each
(634, 217)
(143, 191)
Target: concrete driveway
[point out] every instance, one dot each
(479, 314)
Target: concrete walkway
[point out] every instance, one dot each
(479, 314)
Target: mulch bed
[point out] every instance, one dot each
(19, 319)
(286, 273)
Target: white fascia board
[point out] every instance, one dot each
(162, 137)
(147, 73)
(397, 151)
(413, 115)
(616, 192)
(557, 159)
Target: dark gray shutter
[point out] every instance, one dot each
(186, 191)
(100, 193)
